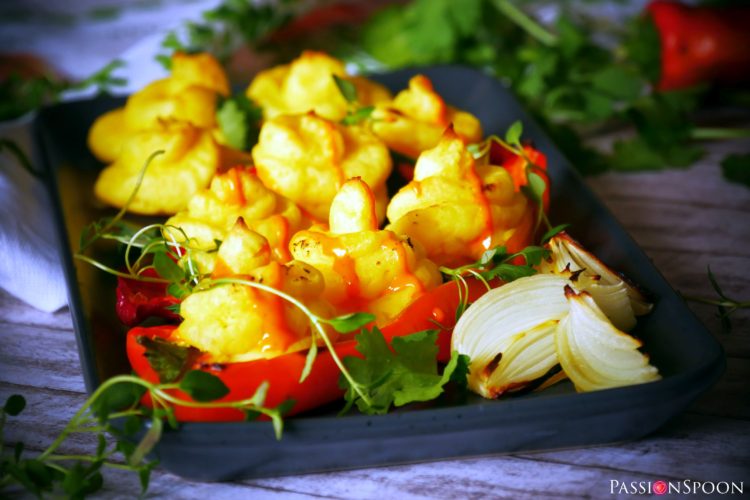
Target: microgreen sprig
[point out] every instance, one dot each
(495, 263)
(535, 186)
(94, 231)
(114, 408)
(344, 324)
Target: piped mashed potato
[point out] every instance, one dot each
(364, 268)
(307, 84)
(417, 117)
(307, 158)
(237, 194)
(189, 95)
(190, 159)
(455, 208)
(234, 322)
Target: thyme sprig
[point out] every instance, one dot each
(725, 305)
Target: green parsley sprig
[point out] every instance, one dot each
(565, 75)
(239, 120)
(403, 372)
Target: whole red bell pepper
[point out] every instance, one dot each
(702, 44)
(432, 310)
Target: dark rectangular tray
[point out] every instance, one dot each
(688, 357)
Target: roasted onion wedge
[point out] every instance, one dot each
(620, 300)
(509, 333)
(517, 334)
(593, 353)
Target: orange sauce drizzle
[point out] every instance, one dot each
(484, 240)
(235, 187)
(345, 266)
(404, 277)
(276, 335)
(280, 238)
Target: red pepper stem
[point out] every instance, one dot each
(533, 28)
(718, 133)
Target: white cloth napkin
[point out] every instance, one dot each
(30, 266)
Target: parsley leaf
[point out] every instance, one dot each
(407, 374)
(664, 134)
(513, 134)
(358, 116)
(169, 360)
(422, 32)
(203, 386)
(346, 88)
(356, 113)
(642, 44)
(239, 120)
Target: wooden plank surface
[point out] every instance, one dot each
(684, 220)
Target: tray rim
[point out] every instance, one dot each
(700, 377)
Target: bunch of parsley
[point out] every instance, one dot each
(565, 75)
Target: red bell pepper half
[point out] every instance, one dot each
(434, 309)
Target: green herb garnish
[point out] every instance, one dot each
(114, 409)
(356, 113)
(407, 374)
(239, 120)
